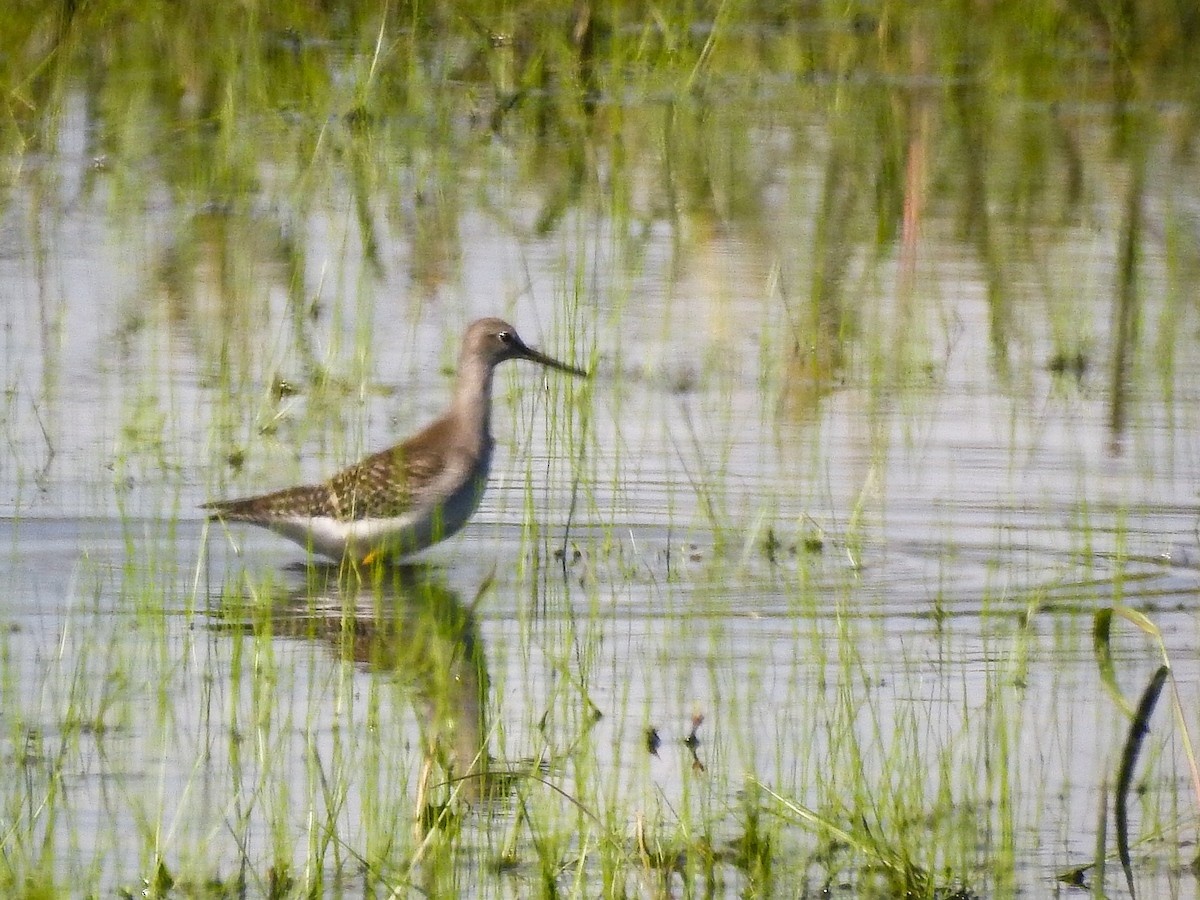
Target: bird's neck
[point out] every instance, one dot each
(473, 400)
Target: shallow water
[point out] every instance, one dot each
(844, 536)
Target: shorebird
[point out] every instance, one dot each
(403, 499)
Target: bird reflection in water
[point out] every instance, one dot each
(406, 622)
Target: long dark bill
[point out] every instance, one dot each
(532, 355)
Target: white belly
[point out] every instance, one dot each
(421, 527)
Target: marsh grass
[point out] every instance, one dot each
(305, 179)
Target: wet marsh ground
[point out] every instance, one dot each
(846, 571)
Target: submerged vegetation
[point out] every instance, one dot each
(814, 590)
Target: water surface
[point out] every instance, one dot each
(883, 413)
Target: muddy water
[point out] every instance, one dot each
(854, 554)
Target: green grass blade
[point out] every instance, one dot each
(1101, 642)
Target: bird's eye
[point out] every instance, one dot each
(506, 337)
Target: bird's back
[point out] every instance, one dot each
(374, 488)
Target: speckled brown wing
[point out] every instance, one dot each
(384, 485)
(306, 500)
